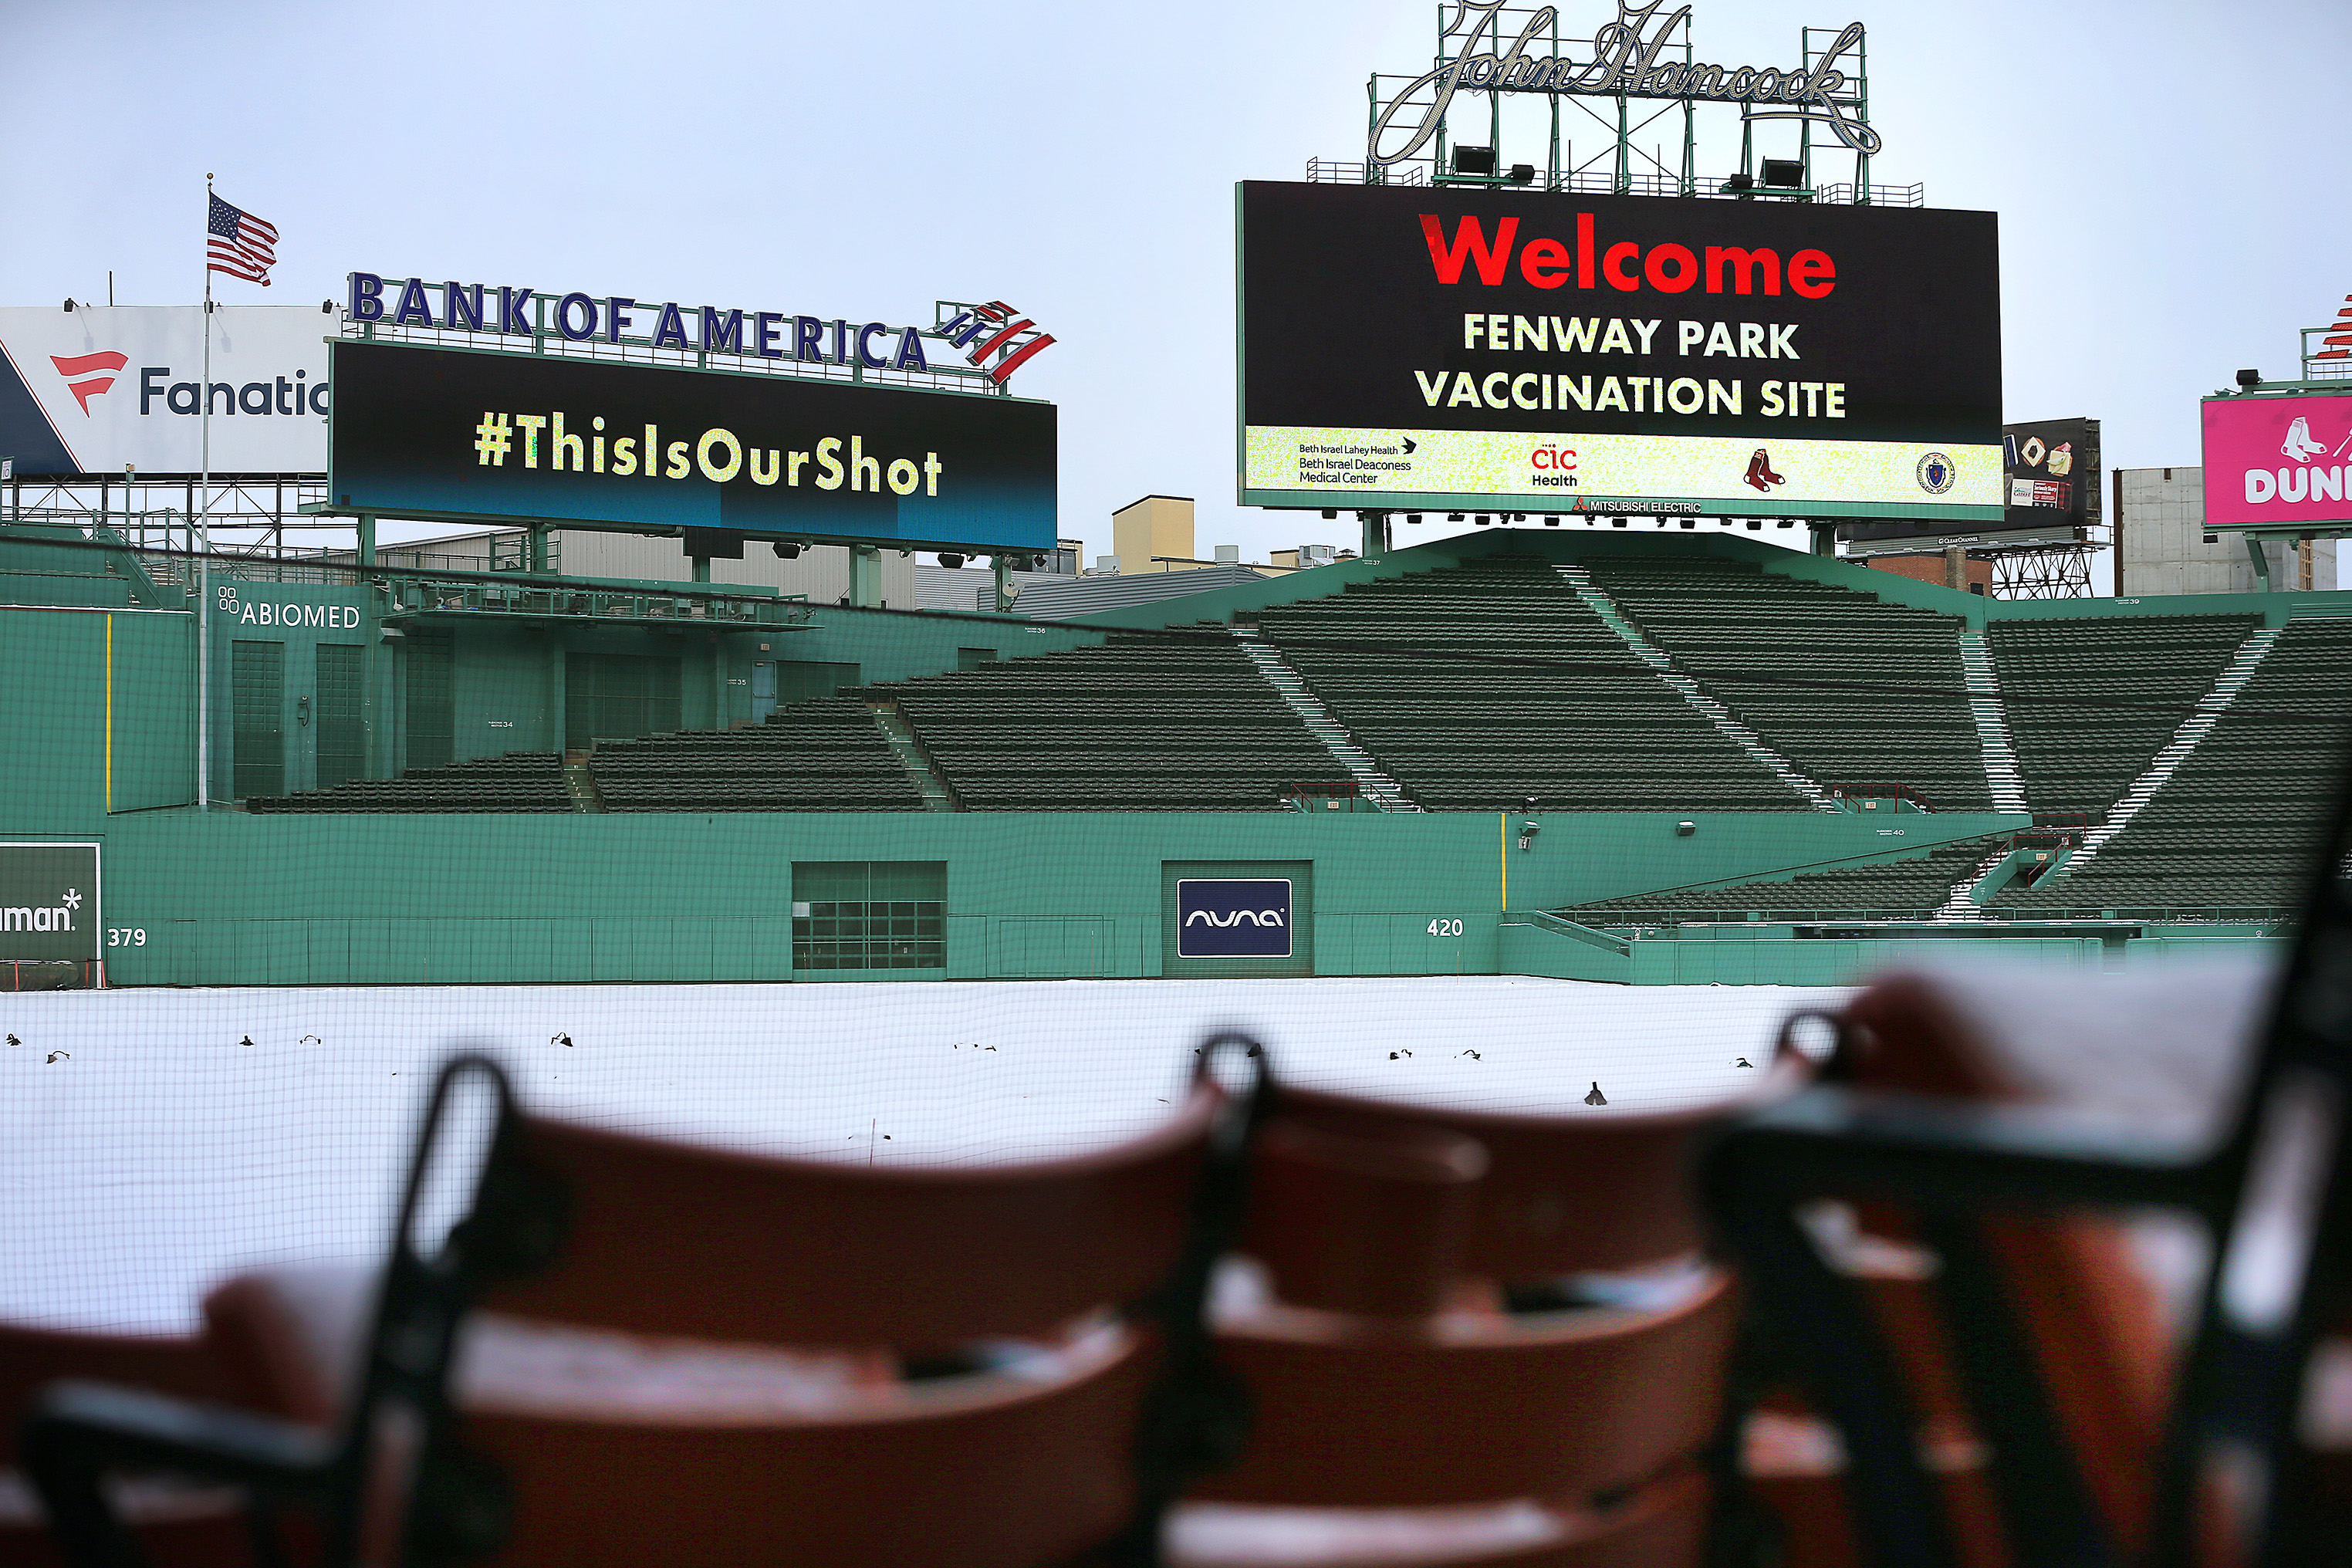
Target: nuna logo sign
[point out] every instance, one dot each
(1233, 917)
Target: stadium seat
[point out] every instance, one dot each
(1858, 694)
(177, 1525)
(1480, 1339)
(2154, 1090)
(688, 1355)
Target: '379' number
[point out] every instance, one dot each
(1444, 928)
(126, 936)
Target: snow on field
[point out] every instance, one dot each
(146, 1149)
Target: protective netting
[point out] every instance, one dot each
(147, 1150)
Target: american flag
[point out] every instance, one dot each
(238, 243)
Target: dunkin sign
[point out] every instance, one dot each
(2278, 461)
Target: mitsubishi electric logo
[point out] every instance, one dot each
(1233, 918)
(82, 374)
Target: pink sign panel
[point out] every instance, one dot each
(2276, 462)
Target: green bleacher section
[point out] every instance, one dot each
(1598, 732)
(520, 781)
(2079, 757)
(1722, 622)
(1895, 889)
(1135, 724)
(2236, 828)
(823, 755)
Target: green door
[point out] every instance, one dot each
(258, 706)
(342, 737)
(432, 700)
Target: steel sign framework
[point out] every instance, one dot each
(1644, 56)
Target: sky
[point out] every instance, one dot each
(2168, 176)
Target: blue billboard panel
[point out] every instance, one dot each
(469, 436)
(1232, 917)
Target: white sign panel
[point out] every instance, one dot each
(95, 388)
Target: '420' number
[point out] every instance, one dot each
(1444, 928)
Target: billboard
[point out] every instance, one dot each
(470, 435)
(1418, 348)
(2278, 462)
(2050, 472)
(48, 903)
(100, 387)
(1232, 917)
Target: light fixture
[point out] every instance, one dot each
(68, 304)
(2248, 379)
(1523, 173)
(326, 307)
(1690, 522)
(786, 550)
(1784, 174)
(1551, 519)
(1484, 520)
(950, 558)
(1754, 524)
(1413, 518)
(1328, 516)
(1474, 160)
(1616, 522)
(1685, 829)
(1454, 517)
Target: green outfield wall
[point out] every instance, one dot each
(98, 677)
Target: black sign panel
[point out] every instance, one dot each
(1408, 339)
(2050, 469)
(48, 902)
(2053, 468)
(1232, 918)
(468, 435)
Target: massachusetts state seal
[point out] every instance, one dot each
(1936, 473)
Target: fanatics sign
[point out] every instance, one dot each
(1408, 347)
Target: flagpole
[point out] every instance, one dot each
(205, 540)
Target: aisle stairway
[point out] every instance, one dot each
(1288, 684)
(2007, 784)
(1714, 712)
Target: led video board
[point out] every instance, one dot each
(471, 436)
(1413, 348)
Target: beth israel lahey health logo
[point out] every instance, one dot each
(1936, 473)
(1236, 918)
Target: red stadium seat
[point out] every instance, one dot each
(687, 1355)
(1485, 1340)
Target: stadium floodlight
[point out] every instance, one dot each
(1690, 522)
(1328, 515)
(1616, 522)
(2248, 379)
(1454, 517)
(1784, 174)
(950, 558)
(1523, 173)
(1413, 518)
(787, 549)
(1551, 519)
(1754, 524)
(1474, 160)
(1484, 520)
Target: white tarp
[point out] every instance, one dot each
(158, 1152)
(120, 385)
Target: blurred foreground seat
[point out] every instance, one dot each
(1469, 1339)
(1951, 1248)
(690, 1356)
(177, 1525)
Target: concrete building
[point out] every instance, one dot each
(2162, 547)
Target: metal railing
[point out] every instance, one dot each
(412, 594)
(1599, 182)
